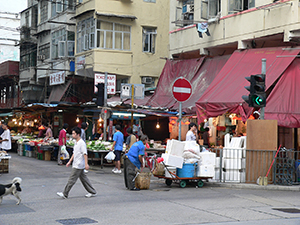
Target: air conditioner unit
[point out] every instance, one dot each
(147, 80)
(41, 57)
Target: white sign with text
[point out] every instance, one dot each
(111, 82)
(57, 78)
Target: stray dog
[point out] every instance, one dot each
(13, 188)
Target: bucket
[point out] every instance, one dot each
(297, 168)
(188, 170)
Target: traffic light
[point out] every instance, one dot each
(100, 94)
(257, 95)
(248, 98)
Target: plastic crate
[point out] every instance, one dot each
(40, 156)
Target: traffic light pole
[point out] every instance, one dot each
(263, 72)
(105, 107)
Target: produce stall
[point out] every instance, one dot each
(96, 149)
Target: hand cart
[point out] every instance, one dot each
(181, 180)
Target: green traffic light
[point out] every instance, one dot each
(258, 100)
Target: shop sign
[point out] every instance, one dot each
(111, 82)
(57, 78)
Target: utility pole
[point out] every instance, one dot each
(263, 72)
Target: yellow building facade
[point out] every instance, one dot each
(125, 38)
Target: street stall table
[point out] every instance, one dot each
(157, 151)
(102, 154)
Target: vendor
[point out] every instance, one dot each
(205, 136)
(5, 138)
(41, 131)
(191, 135)
(49, 133)
(132, 160)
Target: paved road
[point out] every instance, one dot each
(116, 205)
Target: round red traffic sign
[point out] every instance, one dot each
(182, 89)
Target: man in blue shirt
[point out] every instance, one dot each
(132, 160)
(118, 147)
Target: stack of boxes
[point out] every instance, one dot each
(234, 158)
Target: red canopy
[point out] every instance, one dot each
(283, 104)
(200, 72)
(226, 91)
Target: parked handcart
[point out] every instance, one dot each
(181, 180)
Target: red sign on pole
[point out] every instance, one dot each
(181, 89)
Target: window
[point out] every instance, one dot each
(188, 12)
(104, 35)
(44, 11)
(210, 8)
(62, 44)
(59, 6)
(45, 50)
(150, 1)
(27, 18)
(149, 35)
(240, 5)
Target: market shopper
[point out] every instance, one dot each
(5, 138)
(62, 140)
(118, 148)
(206, 138)
(80, 162)
(191, 135)
(131, 139)
(84, 127)
(133, 160)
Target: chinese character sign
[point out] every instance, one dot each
(80, 62)
(111, 82)
(57, 78)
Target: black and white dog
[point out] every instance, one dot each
(13, 188)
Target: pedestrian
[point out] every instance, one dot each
(206, 138)
(191, 135)
(5, 138)
(84, 127)
(133, 160)
(80, 162)
(1, 128)
(62, 140)
(118, 148)
(131, 139)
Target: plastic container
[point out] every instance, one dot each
(297, 168)
(188, 170)
(172, 170)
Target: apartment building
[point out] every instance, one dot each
(125, 38)
(232, 25)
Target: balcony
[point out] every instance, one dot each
(259, 27)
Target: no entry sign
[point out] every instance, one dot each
(182, 89)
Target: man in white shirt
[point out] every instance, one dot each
(80, 162)
(5, 138)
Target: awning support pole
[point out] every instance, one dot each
(179, 120)
(263, 72)
(105, 107)
(132, 101)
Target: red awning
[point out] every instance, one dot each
(283, 103)
(200, 72)
(226, 91)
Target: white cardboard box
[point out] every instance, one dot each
(207, 158)
(172, 160)
(232, 163)
(172, 170)
(205, 171)
(175, 147)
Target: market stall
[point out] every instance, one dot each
(4, 162)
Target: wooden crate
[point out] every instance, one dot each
(47, 155)
(4, 166)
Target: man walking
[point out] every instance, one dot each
(80, 162)
(118, 146)
(132, 160)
